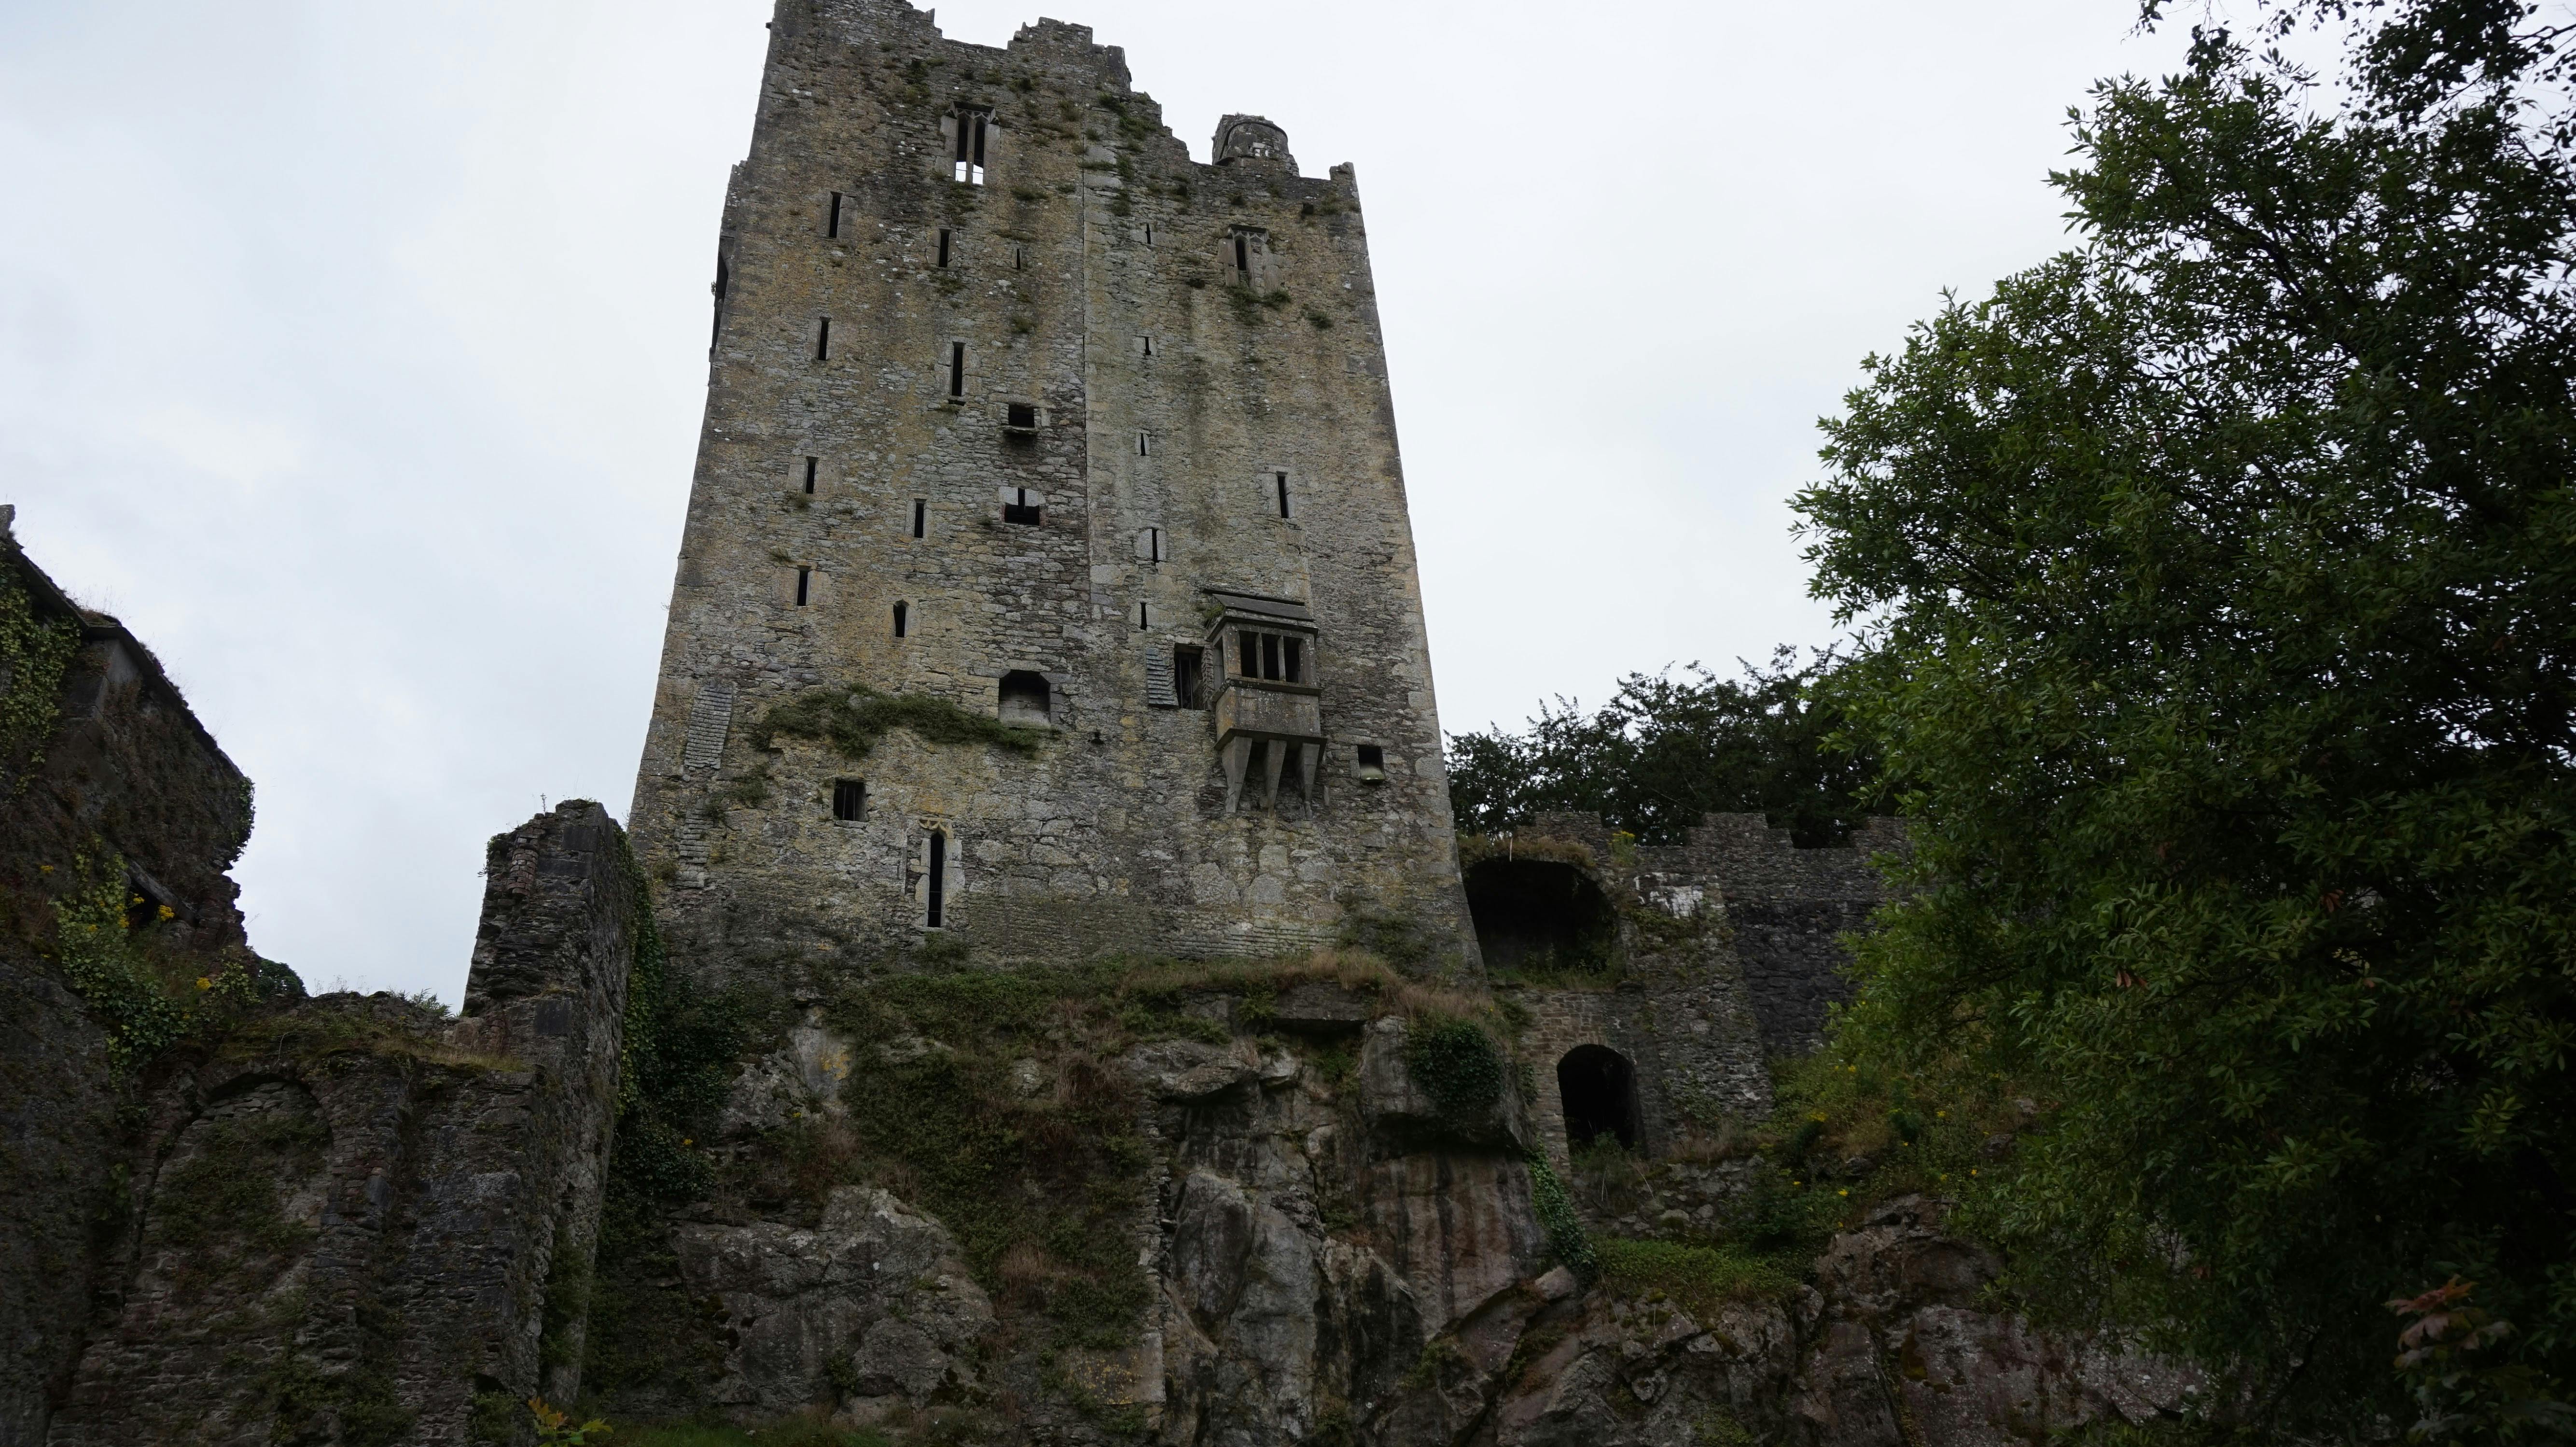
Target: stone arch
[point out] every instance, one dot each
(1597, 1087)
(1541, 917)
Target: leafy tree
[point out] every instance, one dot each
(2217, 581)
(1665, 751)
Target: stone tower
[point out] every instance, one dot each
(1019, 416)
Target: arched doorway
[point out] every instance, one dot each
(1599, 1090)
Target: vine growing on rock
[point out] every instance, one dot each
(1566, 1239)
(96, 945)
(35, 653)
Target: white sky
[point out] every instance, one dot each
(354, 354)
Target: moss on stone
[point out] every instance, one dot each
(853, 720)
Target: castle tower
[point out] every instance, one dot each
(1018, 416)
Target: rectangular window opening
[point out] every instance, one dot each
(1020, 507)
(956, 369)
(849, 799)
(970, 147)
(1270, 657)
(823, 340)
(1292, 664)
(1186, 662)
(1372, 764)
(938, 911)
(832, 228)
(804, 586)
(811, 464)
(1247, 650)
(1144, 616)
(943, 246)
(1154, 545)
(1283, 493)
(1242, 255)
(902, 618)
(920, 517)
(1023, 415)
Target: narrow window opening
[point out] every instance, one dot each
(943, 246)
(920, 517)
(1186, 662)
(1270, 657)
(1144, 346)
(804, 585)
(832, 228)
(849, 799)
(1282, 480)
(1019, 258)
(1144, 444)
(1022, 415)
(1292, 663)
(823, 340)
(1144, 618)
(1154, 545)
(956, 369)
(1149, 233)
(970, 147)
(1021, 506)
(938, 910)
(811, 464)
(1242, 256)
(902, 618)
(1247, 655)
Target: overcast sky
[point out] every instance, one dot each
(354, 354)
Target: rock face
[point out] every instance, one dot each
(1887, 1349)
(874, 1304)
(354, 1222)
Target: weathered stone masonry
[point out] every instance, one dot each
(1013, 404)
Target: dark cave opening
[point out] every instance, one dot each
(1540, 916)
(1599, 1089)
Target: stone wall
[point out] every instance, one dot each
(1727, 951)
(1167, 429)
(352, 1221)
(114, 785)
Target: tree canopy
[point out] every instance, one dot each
(1665, 751)
(2217, 583)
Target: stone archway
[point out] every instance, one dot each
(1598, 1088)
(1537, 918)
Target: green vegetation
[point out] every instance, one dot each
(1566, 1240)
(1699, 1279)
(2219, 610)
(1456, 1063)
(1663, 752)
(852, 720)
(146, 1002)
(35, 653)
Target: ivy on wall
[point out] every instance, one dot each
(35, 653)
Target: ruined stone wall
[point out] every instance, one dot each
(350, 1221)
(112, 785)
(1789, 909)
(1091, 277)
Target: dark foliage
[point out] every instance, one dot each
(1665, 751)
(2221, 578)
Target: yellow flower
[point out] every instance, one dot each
(1940, 1115)
(684, 1140)
(204, 984)
(1842, 1193)
(166, 912)
(44, 869)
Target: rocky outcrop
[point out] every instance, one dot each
(874, 1305)
(1888, 1348)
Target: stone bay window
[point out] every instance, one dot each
(1269, 711)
